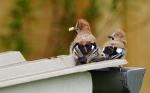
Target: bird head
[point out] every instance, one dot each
(81, 25)
(118, 35)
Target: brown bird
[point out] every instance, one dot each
(114, 48)
(84, 47)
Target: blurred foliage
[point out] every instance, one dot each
(64, 22)
(65, 17)
(19, 14)
(113, 5)
(64, 14)
(93, 11)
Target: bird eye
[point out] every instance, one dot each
(77, 29)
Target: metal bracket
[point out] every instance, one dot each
(117, 80)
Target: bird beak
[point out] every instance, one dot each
(72, 29)
(75, 27)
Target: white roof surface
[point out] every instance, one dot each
(47, 68)
(11, 58)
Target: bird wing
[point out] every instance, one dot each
(88, 52)
(93, 54)
(120, 53)
(114, 49)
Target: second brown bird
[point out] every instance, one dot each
(114, 48)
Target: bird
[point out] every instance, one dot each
(114, 48)
(84, 47)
